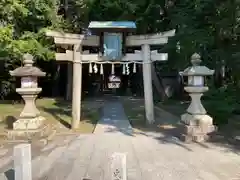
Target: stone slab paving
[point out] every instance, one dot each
(113, 120)
(150, 156)
(147, 158)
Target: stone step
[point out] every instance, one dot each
(97, 167)
(43, 163)
(83, 160)
(59, 140)
(64, 163)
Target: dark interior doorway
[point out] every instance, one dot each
(93, 84)
(99, 82)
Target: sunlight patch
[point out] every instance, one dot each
(166, 126)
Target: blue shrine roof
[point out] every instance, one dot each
(112, 25)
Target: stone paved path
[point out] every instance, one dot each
(114, 119)
(150, 156)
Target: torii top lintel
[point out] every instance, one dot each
(93, 40)
(62, 38)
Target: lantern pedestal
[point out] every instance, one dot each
(196, 124)
(30, 124)
(29, 117)
(196, 127)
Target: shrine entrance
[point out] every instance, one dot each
(111, 62)
(107, 86)
(102, 84)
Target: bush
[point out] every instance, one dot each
(221, 103)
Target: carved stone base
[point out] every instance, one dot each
(43, 132)
(196, 127)
(28, 123)
(196, 119)
(29, 130)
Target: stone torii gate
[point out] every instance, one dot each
(77, 57)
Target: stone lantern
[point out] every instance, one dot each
(197, 124)
(30, 118)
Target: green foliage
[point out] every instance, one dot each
(22, 25)
(145, 13)
(221, 103)
(210, 28)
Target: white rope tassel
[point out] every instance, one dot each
(127, 69)
(124, 70)
(90, 68)
(134, 67)
(101, 69)
(95, 68)
(113, 70)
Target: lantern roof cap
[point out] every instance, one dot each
(28, 69)
(196, 69)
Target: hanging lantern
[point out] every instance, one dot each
(114, 82)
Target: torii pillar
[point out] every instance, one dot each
(147, 82)
(77, 86)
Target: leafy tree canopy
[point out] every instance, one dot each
(209, 27)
